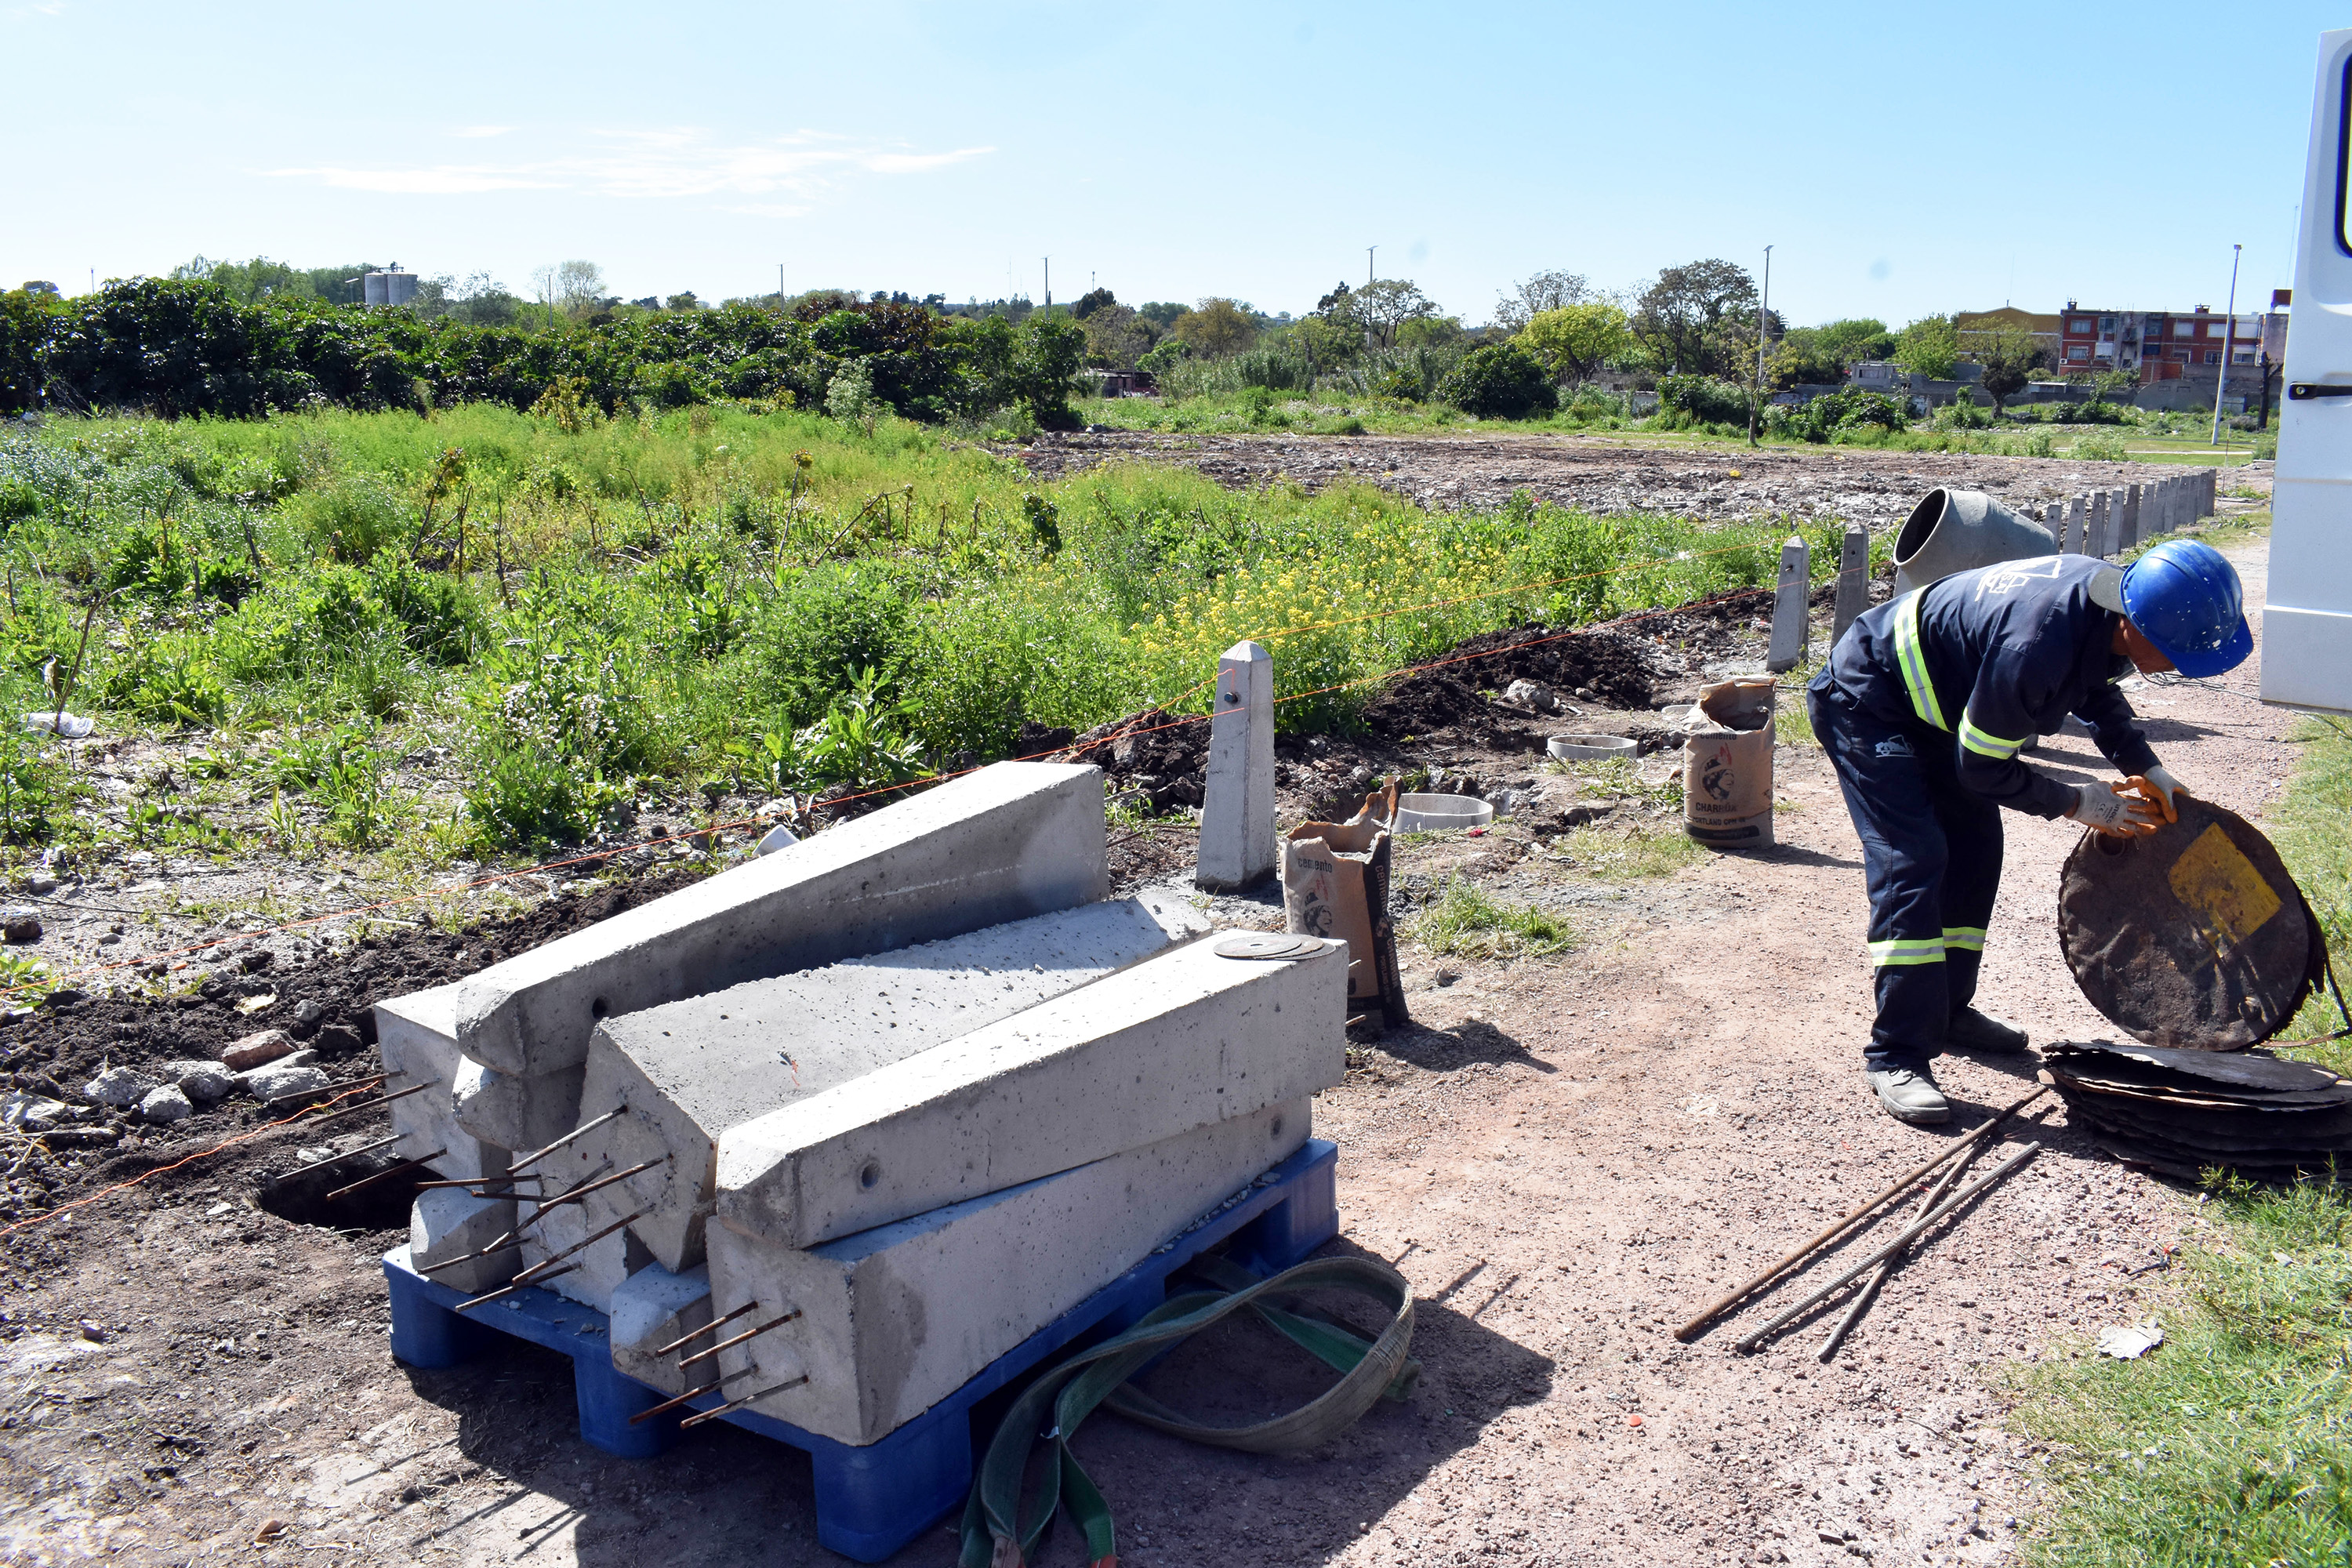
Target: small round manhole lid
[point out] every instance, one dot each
(1269, 944)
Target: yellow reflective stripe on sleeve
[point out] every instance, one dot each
(1912, 661)
(1985, 743)
(1906, 949)
(1971, 937)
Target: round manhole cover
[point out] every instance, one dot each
(2195, 936)
(1269, 944)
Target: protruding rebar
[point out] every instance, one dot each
(683, 1340)
(338, 1159)
(351, 1084)
(582, 1191)
(537, 1155)
(578, 1246)
(380, 1175)
(366, 1105)
(713, 1386)
(738, 1404)
(739, 1339)
(510, 1290)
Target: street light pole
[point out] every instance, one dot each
(1763, 315)
(1368, 264)
(2229, 339)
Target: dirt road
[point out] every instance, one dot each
(1563, 1156)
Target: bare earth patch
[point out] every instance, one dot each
(1564, 1155)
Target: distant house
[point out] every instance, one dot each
(1122, 382)
(2044, 328)
(2165, 345)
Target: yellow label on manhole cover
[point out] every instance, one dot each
(2222, 889)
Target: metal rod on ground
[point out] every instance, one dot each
(746, 1399)
(713, 1386)
(510, 1290)
(739, 1339)
(532, 1272)
(380, 1175)
(533, 1158)
(684, 1340)
(1919, 1227)
(1853, 1217)
(334, 1159)
(366, 1105)
(1869, 1291)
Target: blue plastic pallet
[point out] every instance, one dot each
(870, 1502)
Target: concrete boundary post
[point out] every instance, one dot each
(1853, 583)
(1791, 630)
(2130, 533)
(1237, 811)
(2096, 527)
(2076, 538)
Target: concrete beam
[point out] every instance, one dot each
(416, 1037)
(688, 1071)
(1010, 841)
(653, 1308)
(1237, 811)
(1176, 1042)
(448, 1223)
(512, 1111)
(894, 1318)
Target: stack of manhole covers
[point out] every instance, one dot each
(2184, 1113)
(2196, 942)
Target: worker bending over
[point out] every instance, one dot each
(1923, 708)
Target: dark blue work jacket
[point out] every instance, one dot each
(1981, 660)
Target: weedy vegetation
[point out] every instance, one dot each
(1465, 919)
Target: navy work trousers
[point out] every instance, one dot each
(1931, 859)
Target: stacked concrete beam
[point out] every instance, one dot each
(1177, 1042)
(895, 1318)
(507, 1049)
(667, 1083)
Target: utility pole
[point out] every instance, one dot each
(1763, 313)
(780, 285)
(2228, 337)
(1049, 285)
(1369, 280)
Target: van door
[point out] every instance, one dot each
(2307, 617)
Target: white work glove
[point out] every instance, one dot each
(2114, 809)
(2158, 787)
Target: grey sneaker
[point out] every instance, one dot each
(1910, 1097)
(1971, 1030)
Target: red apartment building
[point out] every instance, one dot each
(2161, 345)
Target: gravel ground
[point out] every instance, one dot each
(1602, 474)
(1563, 1156)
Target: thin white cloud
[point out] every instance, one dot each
(26, 13)
(671, 163)
(476, 133)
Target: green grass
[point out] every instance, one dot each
(1467, 920)
(1633, 851)
(590, 614)
(2232, 1443)
(2312, 829)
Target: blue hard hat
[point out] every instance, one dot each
(2185, 598)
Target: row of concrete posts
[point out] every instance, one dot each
(2099, 523)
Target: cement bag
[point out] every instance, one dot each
(1727, 765)
(1334, 884)
(2194, 936)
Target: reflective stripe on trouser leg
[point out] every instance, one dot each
(1892, 777)
(1968, 937)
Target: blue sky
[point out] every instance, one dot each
(1899, 159)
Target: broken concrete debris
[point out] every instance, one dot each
(934, 1088)
(267, 1045)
